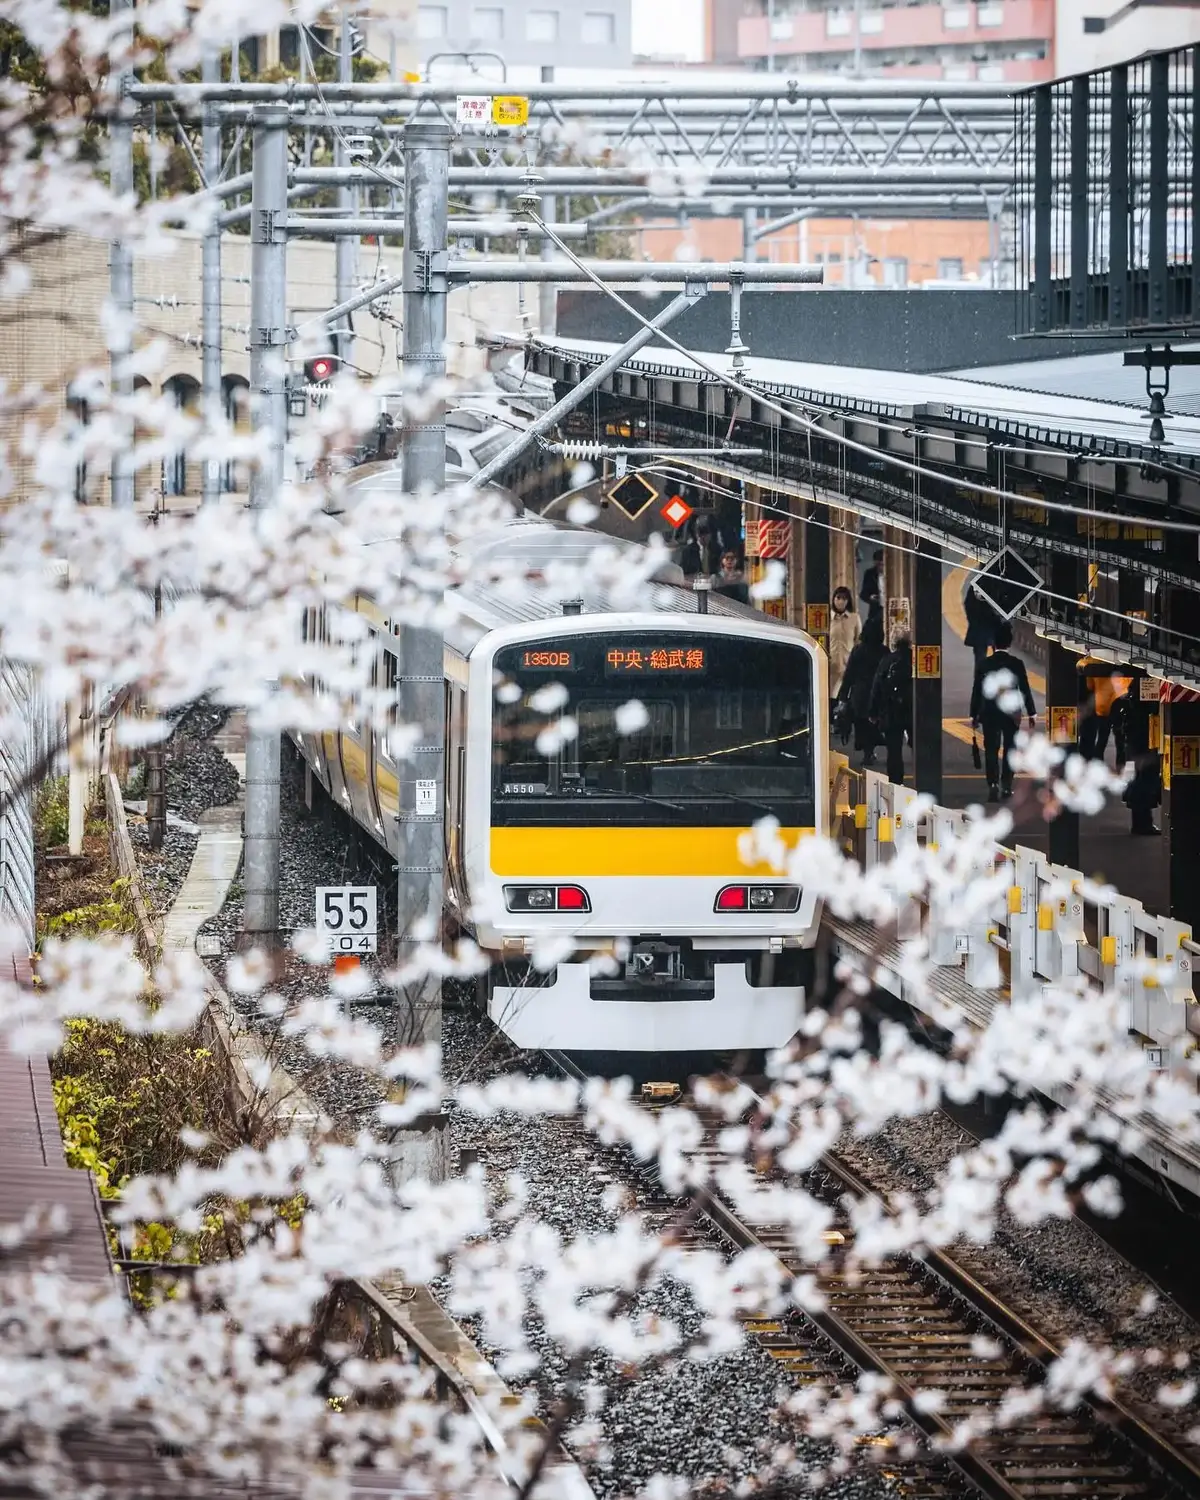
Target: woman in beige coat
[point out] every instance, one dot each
(845, 627)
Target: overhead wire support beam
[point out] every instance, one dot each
(691, 294)
(634, 273)
(788, 90)
(333, 227)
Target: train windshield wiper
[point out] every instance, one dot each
(656, 801)
(759, 808)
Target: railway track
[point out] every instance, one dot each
(927, 1325)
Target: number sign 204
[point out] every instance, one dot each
(348, 915)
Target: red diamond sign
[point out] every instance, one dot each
(676, 510)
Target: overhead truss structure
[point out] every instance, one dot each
(781, 144)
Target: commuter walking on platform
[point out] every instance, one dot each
(982, 624)
(845, 631)
(892, 702)
(1102, 689)
(998, 721)
(857, 681)
(871, 592)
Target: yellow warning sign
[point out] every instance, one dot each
(817, 616)
(1064, 725)
(929, 661)
(1185, 755)
(510, 109)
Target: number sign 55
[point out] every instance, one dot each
(349, 915)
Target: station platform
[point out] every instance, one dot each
(1138, 866)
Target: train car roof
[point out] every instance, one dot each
(528, 592)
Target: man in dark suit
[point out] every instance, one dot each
(998, 723)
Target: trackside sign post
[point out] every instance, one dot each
(348, 916)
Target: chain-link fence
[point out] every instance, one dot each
(29, 731)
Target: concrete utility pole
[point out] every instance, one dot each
(420, 679)
(347, 202)
(268, 405)
(547, 292)
(120, 267)
(210, 281)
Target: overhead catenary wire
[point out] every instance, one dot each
(847, 443)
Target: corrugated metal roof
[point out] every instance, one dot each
(1067, 421)
(1093, 377)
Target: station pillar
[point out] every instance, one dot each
(816, 573)
(1062, 703)
(1183, 736)
(927, 670)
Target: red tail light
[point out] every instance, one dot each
(732, 898)
(572, 898)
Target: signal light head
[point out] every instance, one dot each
(320, 369)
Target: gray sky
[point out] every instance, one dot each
(670, 27)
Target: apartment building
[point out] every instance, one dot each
(527, 34)
(1091, 34)
(1008, 42)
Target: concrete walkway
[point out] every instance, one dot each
(215, 862)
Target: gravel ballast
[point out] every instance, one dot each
(1060, 1275)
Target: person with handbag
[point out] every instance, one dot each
(854, 700)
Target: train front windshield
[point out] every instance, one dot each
(668, 729)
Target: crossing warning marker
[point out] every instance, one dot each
(676, 510)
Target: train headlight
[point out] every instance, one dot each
(546, 898)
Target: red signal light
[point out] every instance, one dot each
(572, 898)
(732, 898)
(320, 369)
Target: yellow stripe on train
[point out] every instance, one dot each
(544, 852)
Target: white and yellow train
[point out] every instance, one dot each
(616, 843)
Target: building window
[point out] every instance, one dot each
(432, 22)
(599, 28)
(541, 26)
(837, 23)
(487, 23)
(235, 395)
(78, 407)
(989, 15)
(950, 268)
(184, 392)
(956, 17)
(895, 271)
(289, 46)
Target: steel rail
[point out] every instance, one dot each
(1026, 1345)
